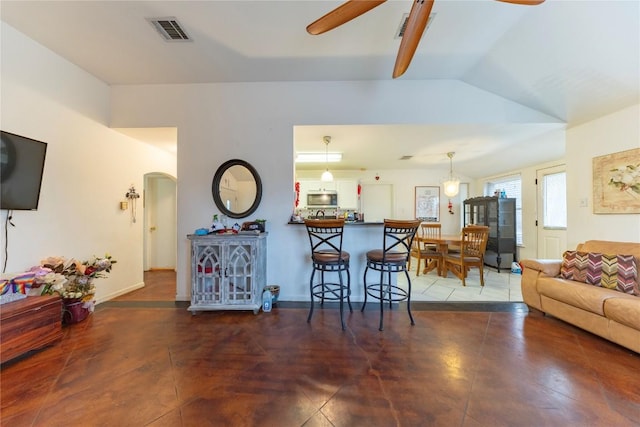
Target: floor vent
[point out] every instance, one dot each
(169, 29)
(403, 25)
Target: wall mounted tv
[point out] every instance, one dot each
(21, 169)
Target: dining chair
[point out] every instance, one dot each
(472, 249)
(422, 250)
(398, 236)
(327, 257)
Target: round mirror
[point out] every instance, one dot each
(236, 189)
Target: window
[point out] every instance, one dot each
(554, 187)
(512, 186)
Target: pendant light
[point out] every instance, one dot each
(452, 185)
(326, 175)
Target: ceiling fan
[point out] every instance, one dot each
(416, 24)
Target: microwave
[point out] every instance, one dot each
(322, 199)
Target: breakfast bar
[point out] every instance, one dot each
(359, 237)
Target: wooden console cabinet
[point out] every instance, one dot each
(228, 271)
(29, 324)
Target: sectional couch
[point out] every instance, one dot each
(570, 290)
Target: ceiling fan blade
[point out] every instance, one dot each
(416, 24)
(343, 13)
(524, 2)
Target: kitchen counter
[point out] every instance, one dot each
(358, 239)
(349, 223)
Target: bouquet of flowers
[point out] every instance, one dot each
(70, 278)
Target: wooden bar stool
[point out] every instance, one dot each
(327, 256)
(392, 258)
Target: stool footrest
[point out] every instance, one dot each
(330, 291)
(397, 293)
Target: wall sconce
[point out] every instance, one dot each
(132, 196)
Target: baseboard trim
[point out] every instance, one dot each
(126, 290)
(489, 307)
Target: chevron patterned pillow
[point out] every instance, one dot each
(618, 272)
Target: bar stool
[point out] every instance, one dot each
(327, 256)
(392, 258)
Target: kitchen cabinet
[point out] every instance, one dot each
(228, 271)
(347, 194)
(499, 214)
(347, 191)
(314, 185)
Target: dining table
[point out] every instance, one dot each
(442, 244)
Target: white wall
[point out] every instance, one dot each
(89, 167)
(255, 121)
(616, 132)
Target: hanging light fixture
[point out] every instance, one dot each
(326, 175)
(452, 185)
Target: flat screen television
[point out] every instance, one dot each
(21, 169)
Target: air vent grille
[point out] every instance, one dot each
(406, 157)
(403, 24)
(170, 29)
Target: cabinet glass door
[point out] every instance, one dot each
(479, 216)
(208, 286)
(239, 274)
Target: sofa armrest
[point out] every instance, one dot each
(548, 267)
(532, 269)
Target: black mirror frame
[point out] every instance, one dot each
(215, 188)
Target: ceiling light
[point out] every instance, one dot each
(326, 175)
(451, 185)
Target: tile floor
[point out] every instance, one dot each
(498, 287)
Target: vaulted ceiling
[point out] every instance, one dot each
(572, 60)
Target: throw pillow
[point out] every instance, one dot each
(618, 272)
(574, 266)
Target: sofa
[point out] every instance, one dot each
(552, 287)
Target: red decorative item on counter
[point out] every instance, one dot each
(297, 188)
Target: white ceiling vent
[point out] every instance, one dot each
(406, 157)
(170, 29)
(403, 24)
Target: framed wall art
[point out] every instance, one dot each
(616, 183)
(427, 203)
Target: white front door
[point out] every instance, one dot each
(552, 212)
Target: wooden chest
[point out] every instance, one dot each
(29, 324)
